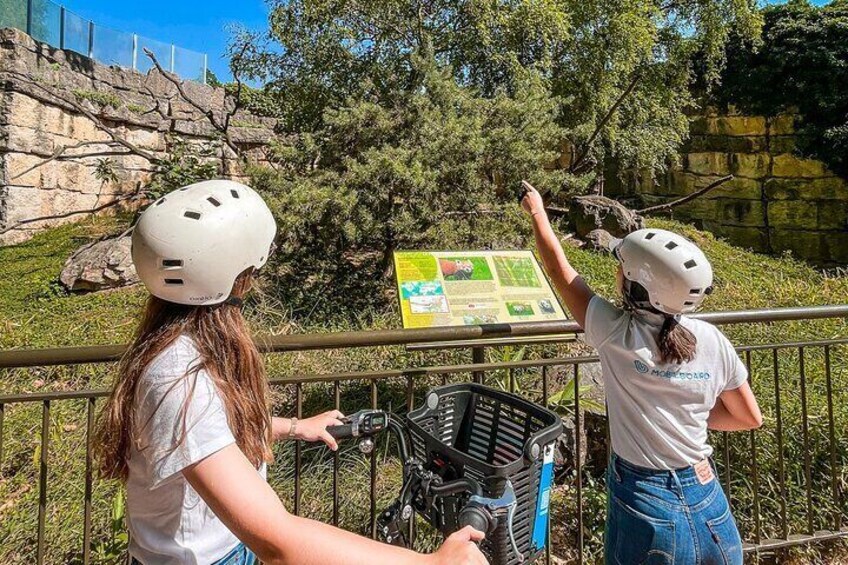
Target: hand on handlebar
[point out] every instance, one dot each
(315, 428)
(461, 549)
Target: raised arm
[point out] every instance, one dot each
(252, 511)
(568, 282)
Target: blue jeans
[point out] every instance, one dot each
(667, 517)
(240, 555)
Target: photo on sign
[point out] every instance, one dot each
(429, 304)
(519, 308)
(546, 306)
(465, 269)
(517, 272)
(421, 288)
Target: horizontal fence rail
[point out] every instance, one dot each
(785, 482)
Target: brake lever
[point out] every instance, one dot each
(505, 504)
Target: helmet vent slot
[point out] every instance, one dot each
(695, 291)
(213, 201)
(172, 262)
(688, 303)
(174, 282)
(650, 235)
(192, 215)
(235, 193)
(670, 245)
(160, 202)
(690, 264)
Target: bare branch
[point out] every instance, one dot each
(117, 138)
(588, 145)
(685, 199)
(234, 64)
(109, 204)
(210, 115)
(59, 152)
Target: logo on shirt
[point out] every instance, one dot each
(640, 366)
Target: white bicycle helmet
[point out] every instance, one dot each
(674, 271)
(190, 245)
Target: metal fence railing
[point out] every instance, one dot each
(53, 24)
(786, 482)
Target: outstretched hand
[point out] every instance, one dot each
(532, 201)
(315, 428)
(460, 548)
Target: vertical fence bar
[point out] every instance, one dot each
(805, 430)
(173, 56)
(577, 463)
(86, 520)
(410, 404)
(726, 447)
(373, 494)
(90, 40)
(337, 406)
(61, 27)
(781, 462)
(298, 454)
(755, 484)
(42, 480)
(512, 381)
(205, 67)
(834, 480)
(29, 17)
(478, 355)
(135, 52)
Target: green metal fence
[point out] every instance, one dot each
(785, 481)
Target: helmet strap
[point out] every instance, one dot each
(234, 301)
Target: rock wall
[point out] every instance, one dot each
(53, 157)
(777, 201)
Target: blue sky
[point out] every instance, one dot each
(200, 26)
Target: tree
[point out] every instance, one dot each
(436, 166)
(328, 51)
(804, 50)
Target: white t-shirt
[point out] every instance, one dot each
(658, 412)
(168, 521)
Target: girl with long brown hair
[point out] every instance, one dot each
(188, 428)
(668, 379)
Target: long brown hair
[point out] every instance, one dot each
(676, 343)
(227, 353)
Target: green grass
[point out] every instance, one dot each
(36, 312)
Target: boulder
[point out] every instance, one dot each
(592, 211)
(598, 240)
(99, 266)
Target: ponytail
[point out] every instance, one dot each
(677, 344)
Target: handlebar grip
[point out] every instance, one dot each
(344, 431)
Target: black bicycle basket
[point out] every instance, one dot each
(496, 438)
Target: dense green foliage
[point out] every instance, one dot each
(411, 123)
(438, 166)
(802, 64)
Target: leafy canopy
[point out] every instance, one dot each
(802, 64)
(325, 52)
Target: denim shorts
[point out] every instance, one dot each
(240, 555)
(667, 517)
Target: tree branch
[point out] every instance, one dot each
(85, 112)
(59, 152)
(588, 145)
(210, 115)
(685, 199)
(109, 204)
